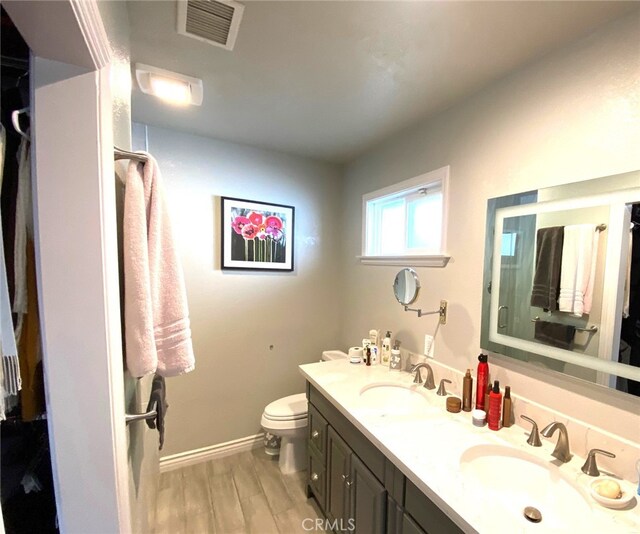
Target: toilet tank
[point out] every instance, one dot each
(329, 355)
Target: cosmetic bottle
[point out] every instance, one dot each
(374, 337)
(385, 354)
(482, 381)
(506, 407)
(395, 362)
(495, 405)
(487, 394)
(368, 358)
(467, 388)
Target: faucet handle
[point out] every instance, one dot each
(590, 466)
(534, 437)
(418, 378)
(442, 390)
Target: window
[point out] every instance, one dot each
(407, 221)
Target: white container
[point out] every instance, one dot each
(386, 349)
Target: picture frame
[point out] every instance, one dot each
(256, 235)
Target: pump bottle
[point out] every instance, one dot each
(495, 406)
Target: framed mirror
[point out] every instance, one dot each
(561, 285)
(406, 286)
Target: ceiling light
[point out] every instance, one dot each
(171, 87)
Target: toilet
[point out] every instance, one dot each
(287, 419)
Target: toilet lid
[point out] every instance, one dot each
(291, 407)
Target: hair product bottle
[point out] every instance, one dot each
(467, 388)
(495, 406)
(506, 407)
(482, 381)
(368, 358)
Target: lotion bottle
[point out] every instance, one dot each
(395, 359)
(495, 405)
(386, 349)
(467, 388)
(506, 407)
(482, 381)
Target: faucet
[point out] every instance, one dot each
(534, 437)
(442, 390)
(429, 382)
(590, 467)
(561, 452)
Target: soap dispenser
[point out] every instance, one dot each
(386, 349)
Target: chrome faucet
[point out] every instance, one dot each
(561, 452)
(429, 382)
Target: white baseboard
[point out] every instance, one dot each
(183, 459)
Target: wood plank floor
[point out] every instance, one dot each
(244, 493)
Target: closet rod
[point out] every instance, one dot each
(118, 153)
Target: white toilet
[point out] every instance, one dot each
(287, 418)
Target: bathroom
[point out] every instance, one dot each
(558, 112)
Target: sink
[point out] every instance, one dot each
(395, 399)
(513, 480)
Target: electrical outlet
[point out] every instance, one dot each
(428, 346)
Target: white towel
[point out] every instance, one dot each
(157, 330)
(24, 228)
(10, 368)
(578, 271)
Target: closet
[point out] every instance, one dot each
(26, 490)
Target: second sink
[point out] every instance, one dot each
(395, 399)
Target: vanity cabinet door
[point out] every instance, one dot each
(368, 500)
(317, 432)
(409, 526)
(338, 464)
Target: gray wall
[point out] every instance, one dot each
(237, 316)
(571, 116)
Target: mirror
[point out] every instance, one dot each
(585, 322)
(406, 286)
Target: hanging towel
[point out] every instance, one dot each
(158, 402)
(578, 271)
(157, 329)
(558, 335)
(10, 369)
(546, 279)
(24, 231)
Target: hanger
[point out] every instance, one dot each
(15, 119)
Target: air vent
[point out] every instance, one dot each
(213, 21)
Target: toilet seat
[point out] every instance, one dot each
(287, 408)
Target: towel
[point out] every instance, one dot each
(546, 279)
(158, 402)
(24, 231)
(10, 371)
(157, 328)
(558, 335)
(578, 271)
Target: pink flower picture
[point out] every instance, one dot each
(256, 235)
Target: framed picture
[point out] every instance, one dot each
(257, 235)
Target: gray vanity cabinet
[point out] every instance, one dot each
(357, 486)
(338, 474)
(368, 500)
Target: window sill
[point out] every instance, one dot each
(439, 260)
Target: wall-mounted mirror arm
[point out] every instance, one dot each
(442, 311)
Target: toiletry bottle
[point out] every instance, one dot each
(482, 381)
(386, 349)
(395, 360)
(467, 387)
(374, 336)
(495, 405)
(506, 407)
(368, 356)
(487, 395)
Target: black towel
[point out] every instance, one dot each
(546, 279)
(158, 402)
(556, 334)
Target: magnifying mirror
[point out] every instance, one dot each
(406, 286)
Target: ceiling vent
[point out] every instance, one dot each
(212, 21)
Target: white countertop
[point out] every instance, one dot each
(427, 449)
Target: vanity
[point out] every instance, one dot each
(385, 456)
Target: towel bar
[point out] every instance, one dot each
(592, 329)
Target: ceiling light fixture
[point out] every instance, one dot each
(171, 87)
